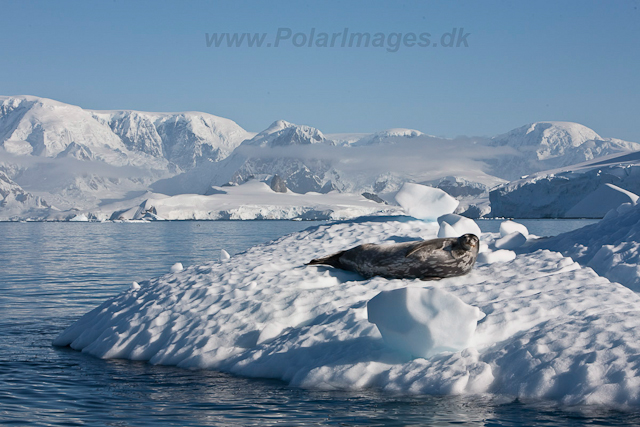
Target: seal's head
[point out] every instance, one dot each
(469, 242)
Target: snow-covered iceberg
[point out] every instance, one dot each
(552, 328)
(424, 202)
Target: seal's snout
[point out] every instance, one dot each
(469, 241)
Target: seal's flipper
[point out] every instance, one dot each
(332, 260)
(419, 246)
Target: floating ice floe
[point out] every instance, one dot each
(456, 225)
(424, 202)
(552, 329)
(177, 267)
(79, 218)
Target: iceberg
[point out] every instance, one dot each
(553, 329)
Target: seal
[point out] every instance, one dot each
(424, 259)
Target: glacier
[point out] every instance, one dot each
(584, 190)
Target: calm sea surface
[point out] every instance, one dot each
(52, 273)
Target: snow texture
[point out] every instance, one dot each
(552, 329)
(611, 246)
(501, 255)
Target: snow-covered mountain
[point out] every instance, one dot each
(15, 202)
(379, 163)
(282, 133)
(388, 136)
(60, 155)
(376, 163)
(75, 158)
(549, 145)
(184, 139)
(280, 149)
(43, 127)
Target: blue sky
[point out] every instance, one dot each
(525, 61)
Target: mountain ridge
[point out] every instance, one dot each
(192, 152)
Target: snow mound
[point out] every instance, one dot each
(552, 329)
(601, 201)
(511, 241)
(489, 257)
(460, 224)
(423, 202)
(611, 246)
(423, 322)
(446, 230)
(508, 227)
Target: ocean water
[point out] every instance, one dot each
(52, 273)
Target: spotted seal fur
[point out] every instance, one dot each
(425, 260)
